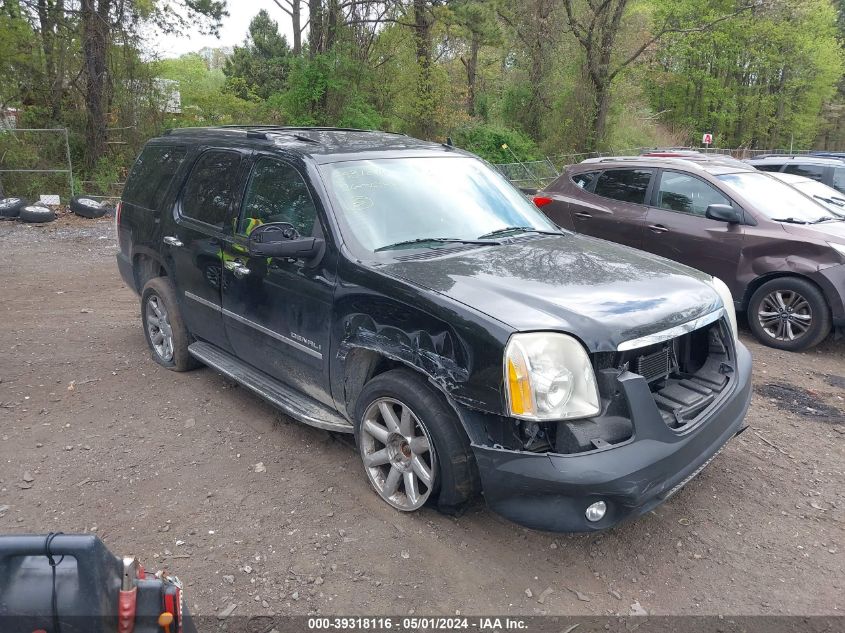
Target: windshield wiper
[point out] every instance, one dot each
(833, 218)
(790, 220)
(424, 240)
(524, 229)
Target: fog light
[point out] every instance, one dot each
(595, 512)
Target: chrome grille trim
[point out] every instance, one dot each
(673, 332)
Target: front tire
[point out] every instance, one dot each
(789, 313)
(164, 327)
(412, 444)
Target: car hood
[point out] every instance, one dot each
(601, 292)
(832, 231)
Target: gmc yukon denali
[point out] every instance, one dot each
(404, 292)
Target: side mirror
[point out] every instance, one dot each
(723, 213)
(281, 239)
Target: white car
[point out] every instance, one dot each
(830, 198)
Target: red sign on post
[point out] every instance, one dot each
(707, 139)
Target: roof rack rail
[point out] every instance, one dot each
(645, 159)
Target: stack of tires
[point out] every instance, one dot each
(20, 209)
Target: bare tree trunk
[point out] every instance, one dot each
(424, 124)
(49, 16)
(294, 9)
(471, 65)
(315, 27)
(296, 22)
(95, 30)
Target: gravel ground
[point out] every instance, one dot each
(97, 437)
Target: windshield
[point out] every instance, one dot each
(385, 202)
(775, 199)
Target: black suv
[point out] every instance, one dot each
(403, 291)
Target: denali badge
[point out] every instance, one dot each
(305, 341)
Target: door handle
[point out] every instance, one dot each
(583, 214)
(172, 241)
(238, 269)
(658, 228)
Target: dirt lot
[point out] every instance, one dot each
(95, 436)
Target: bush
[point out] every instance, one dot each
(486, 140)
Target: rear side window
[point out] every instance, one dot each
(210, 190)
(586, 179)
(816, 172)
(151, 175)
(626, 185)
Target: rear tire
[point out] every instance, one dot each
(789, 313)
(164, 327)
(453, 474)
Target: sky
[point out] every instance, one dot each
(232, 33)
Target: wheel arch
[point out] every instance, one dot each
(146, 264)
(361, 364)
(757, 282)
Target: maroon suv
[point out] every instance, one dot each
(781, 253)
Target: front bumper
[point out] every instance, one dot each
(549, 491)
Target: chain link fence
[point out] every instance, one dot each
(35, 162)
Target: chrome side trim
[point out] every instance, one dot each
(273, 334)
(237, 317)
(205, 302)
(673, 332)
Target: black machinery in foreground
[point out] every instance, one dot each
(64, 583)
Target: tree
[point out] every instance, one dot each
(294, 10)
(259, 68)
(478, 20)
(598, 26)
(100, 19)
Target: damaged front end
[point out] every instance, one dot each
(667, 405)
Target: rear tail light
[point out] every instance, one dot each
(542, 201)
(117, 218)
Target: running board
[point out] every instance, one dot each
(295, 404)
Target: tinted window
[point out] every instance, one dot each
(277, 193)
(210, 190)
(585, 180)
(152, 174)
(816, 172)
(839, 179)
(681, 192)
(769, 167)
(627, 185)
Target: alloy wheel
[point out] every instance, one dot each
(785, 315)
(398, 454)
(158, 328)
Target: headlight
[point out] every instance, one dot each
(548, 376)
(728, 301)
(839, 248)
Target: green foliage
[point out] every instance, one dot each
(204, 100)
(486, 140)
(758, 80)
(259, 68)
